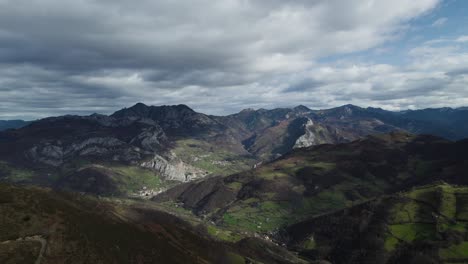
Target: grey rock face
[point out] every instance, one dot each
(150, 139)
(47, 154)
(173, 169)
(103, 143)
(127, 139)
(56, 153)
(309, 138)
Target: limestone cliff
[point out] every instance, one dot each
(173, 168)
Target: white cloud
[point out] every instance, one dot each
(216, 56)
(440, 22)
(462, 39)
(436, 76)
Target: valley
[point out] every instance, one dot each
(345, 185)
(177, 144)
(234, 132)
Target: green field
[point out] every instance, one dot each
(211, 157)
(133, 178)
(13, 174)
(455, 252)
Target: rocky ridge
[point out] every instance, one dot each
(174, 140)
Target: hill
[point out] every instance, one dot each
(427, 224)
(43, 226)
(317, 180)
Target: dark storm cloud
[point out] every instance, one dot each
(85, 56)
(304, 85)
(458, 72)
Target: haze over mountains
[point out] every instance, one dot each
(7, 124)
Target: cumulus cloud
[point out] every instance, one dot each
(436, 76)
(84, 56)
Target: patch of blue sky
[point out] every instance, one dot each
(447, 22)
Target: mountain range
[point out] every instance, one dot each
(287, 185)
(180, 144)
(12, 124)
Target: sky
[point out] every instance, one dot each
(83, 56)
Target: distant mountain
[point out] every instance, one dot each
(175, 120)
(8, 124)
(176, 143)
(444, 122)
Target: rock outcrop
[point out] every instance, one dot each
(309, 138)
(56, 153)
(173, 168)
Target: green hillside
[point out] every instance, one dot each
(426, 223)
(313, 181)
(106, 178)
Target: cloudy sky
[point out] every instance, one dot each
(83, 56)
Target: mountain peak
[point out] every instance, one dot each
(137, 110)
(143, 110)
(247, 110)
(347, 108)
(350, 106)
(139, 105)
(182, 106)
(301, 108)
